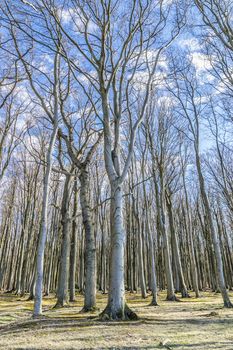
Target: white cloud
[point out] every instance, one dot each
(200, 61)
(201, 99)
(167, 101)
(70, 16)
(191, 44)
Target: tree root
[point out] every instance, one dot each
(122, 315)
(228, 304)
(60, 305)
(89, 309)
(185, 294)
(153, 303)
(172, 298)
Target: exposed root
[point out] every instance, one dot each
(89, 309)
(172, 298)
(153, 303)
(228, 304)
(197, 294)
(122, 315)
(185, 294)
(60, 305)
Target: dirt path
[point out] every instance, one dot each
(194, 324)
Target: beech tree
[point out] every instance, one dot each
(115, 157)
(186, 90)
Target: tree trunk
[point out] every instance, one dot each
(140, 248)
(62, 289)
(141, 262)
(153, 280)
(184, 291)
(73, 247)
(90, 246)
(161, 226)
(117, 308)
(44, 217)
(220, 274)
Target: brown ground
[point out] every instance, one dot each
(192, 324)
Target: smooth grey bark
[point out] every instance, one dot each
(103, 258)
(32, 285)
(116, 295)
(153, 279)
(141, 263)
(62, 288)
(50, 265)
(11, 274)
(44, 217)
(25, 260)
(140, 248)
(117, 308)
(32, 196)
(161, 226)
(54, 227)
(44, 225)
(73, 246)
(184, 291)
(190, 233)
(90, 245)
(23, 249)
(214, 235)
(161, 217)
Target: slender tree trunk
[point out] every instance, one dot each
(44, 217)
(140, 249)
(22, 259)
(184, 291)
(32, 285)
(161, 225)
(43, 231)
(73, 248)
(190, 233)
(153, 280)
(103, 259)
(62, 289)
(217, 249)
(90, 246)
(141, 262)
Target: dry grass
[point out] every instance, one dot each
(193, 324)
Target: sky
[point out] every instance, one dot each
(189, 44)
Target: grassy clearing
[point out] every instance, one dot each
(193, 324)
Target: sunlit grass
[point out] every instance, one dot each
(190, 324)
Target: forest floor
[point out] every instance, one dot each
(194, 324)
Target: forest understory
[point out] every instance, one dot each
(189, 324)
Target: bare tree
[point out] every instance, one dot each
(186, 91)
